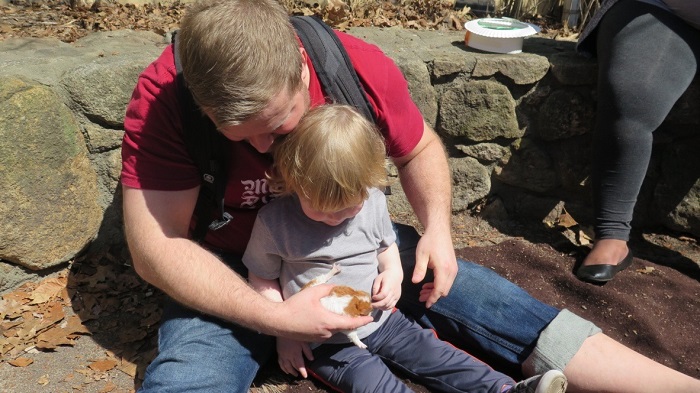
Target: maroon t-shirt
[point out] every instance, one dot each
(154, 156)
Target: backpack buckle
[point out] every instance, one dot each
(218, 224)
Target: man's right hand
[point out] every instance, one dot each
(303, 318)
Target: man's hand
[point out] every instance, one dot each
(436, 253)
(303, 318)
(290, 356)
(426, 180)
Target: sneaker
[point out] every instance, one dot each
(553, 381)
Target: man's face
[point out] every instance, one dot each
(280, 117)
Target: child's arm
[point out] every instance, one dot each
(387, 286)
(290, 353)
(268, 288)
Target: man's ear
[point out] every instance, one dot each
(305, 74)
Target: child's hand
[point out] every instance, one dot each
(290, 355)
(387, 289)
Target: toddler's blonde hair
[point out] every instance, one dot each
(331, 159)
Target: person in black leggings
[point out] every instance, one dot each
(647, 57)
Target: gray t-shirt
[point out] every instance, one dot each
(287, 245)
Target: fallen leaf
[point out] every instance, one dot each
(128, 368)
(21, 362)
(53, 338)
(565, 220)
(43, 380)
(646, 270)
(110, 386)
(47, 290)
(583, 239)
(75, 325)
(103, 365)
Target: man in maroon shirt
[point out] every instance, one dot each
(245, 68)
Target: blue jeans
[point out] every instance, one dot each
(485, 314)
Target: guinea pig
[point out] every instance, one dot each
(344, 300)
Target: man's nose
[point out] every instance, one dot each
(262, 142)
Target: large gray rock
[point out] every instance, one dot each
(48, 188)
(564, 114)
(486, 152)
(522, 69)
(572, 69)
(422, 92)
(47, 60)
(102, 89)
(477, 110)
(471, 181)
(530, 168)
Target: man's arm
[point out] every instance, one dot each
(425, 178)
(156, 224)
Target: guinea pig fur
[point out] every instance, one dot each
(344, 300)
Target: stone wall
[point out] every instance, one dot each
(517, 129)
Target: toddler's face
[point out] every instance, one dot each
(329, 218)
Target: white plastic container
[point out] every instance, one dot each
(498, 35)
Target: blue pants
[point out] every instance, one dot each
(408, 347)
(483, 314)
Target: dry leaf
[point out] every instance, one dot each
(74, 325)
(565, 220)
(21, 362)
(103, 365)
(583, 239)
(53, 338)
(646, 270)
(128, 368)
(47, 290)
(43, 380)
(110, 386)
(131, 334)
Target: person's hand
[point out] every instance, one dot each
(436, 252)
(290, 356)
(303, 318)
(387, 289)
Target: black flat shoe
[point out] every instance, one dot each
(600, 274)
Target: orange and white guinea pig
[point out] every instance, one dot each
(344, 300)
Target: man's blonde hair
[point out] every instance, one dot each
(237, 55)
(331, 158)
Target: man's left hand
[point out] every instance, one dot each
(437, 253)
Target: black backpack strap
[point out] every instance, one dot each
(207, 147)
(332, 64)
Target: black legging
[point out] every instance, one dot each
(647, 58)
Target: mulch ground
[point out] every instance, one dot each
(649, 307)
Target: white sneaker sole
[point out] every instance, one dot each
(553, 381)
